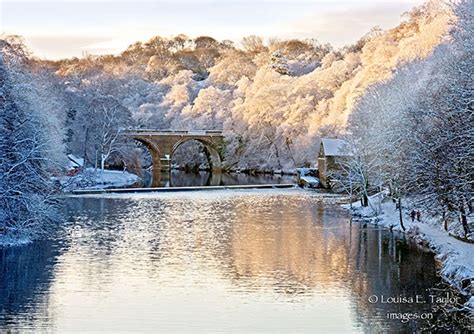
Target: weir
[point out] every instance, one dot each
(180, 189)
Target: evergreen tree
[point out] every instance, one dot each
(279, 63)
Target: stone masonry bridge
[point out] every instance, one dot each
(163, 143)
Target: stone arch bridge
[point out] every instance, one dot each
(163, 143)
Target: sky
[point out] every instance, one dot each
(57, 29)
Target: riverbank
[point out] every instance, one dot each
(92, 178)
(455, 257)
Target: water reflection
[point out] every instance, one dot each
(237, 261)
(179, 178)
(26, 273)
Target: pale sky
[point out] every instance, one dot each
(65, 28)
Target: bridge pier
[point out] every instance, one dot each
(166, 152)
(215, 177)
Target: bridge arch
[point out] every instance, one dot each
(212, 151)
(154, 151)
(155, 154)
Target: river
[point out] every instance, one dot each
(213, 261)
(179, 178)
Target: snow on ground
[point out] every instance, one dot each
(98, 179)
(307, 177)
(310, 180)
(456, 257)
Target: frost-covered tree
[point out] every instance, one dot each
(444, 135)
(97, 129)
(253, 44)
(279, 63)
(275, 109)
(27, 195)
(421, 139)
(233, 66)
(209, 110)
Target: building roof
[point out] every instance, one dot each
(335, 147)
(75, 161)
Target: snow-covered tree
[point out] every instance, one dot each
(279, 63)
(27, 195)
(295, 90)
(417, 127)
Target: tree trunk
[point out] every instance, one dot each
(350, 198)
(445, 221)
(365, 200)
(86, 139)
(102, 162)
(277, 153)
(465, 226)
(400, 212)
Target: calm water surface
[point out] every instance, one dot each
(217, 261)
(179, 178)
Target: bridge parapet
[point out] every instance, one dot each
(154, 132)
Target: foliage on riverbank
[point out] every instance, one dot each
(28, 198)
(414, 134)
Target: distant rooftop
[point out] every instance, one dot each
(335, 147)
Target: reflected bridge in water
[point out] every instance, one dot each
(179, 178)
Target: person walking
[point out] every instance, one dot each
(412, 215)
(418, 215)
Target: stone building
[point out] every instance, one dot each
(330, 151)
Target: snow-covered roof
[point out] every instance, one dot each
(335, 147)
(76, 161)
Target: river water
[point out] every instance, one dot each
(213, 261)
(179, 178)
